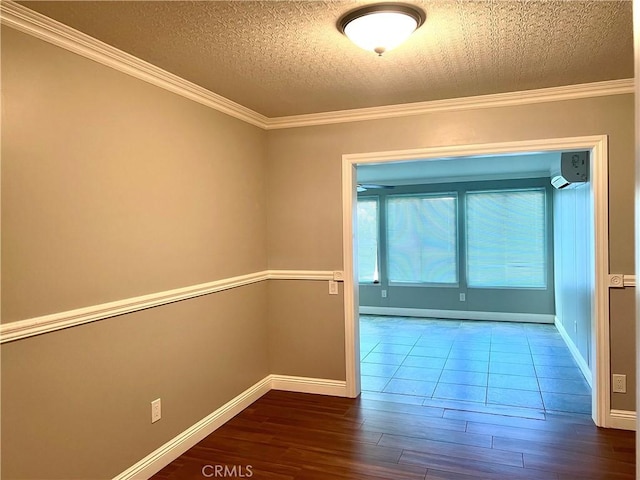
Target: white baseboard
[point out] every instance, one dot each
(319, 386)
(458, 314)
(622, 419)
(577, 356)
(175, 447)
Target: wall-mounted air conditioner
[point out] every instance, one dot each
(574, 169)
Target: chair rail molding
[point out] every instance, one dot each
(71, 318)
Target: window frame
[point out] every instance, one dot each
(438, 194)
(545, 238)
(376, 281)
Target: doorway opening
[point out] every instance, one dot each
(594, 353)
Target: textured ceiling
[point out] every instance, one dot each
(287, 57)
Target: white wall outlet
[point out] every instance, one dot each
(333, 287)
(619, 383)
(463, 297)
(156, 410)
(383, 293)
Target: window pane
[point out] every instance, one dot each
(506, 238)
(368, 240)
(422, 238)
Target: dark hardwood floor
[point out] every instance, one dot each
(292, 436)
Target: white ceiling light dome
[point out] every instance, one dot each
(381, 27)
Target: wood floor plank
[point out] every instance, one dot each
(576, 464)
(389, 419)
(437, 434)
(435, 474)
(553, 446)
(363, 404)
(474, 468)
(354, 465)
(454, 450)
(496, 419)
(535, 434)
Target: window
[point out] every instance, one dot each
(368, 240)
(506, 238)
(422, 238)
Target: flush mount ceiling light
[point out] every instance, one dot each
(381, 27)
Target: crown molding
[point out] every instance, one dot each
(552, 94)
(40, 26)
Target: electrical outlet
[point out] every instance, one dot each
(383, 293)
(156, 410)
(463, 297)
(333, 287)
(619, 383)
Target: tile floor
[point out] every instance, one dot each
(523, 368)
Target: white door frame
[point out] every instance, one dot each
(601, 398)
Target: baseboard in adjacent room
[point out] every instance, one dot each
(458, 314)
(577, 356)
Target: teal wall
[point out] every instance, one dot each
(510, 300)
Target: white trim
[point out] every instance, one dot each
(526, 97)
(600, 335)
(459, 314)
(40, 26)
(71, 318)
(577, 356)
(351, 299)
(636, 43)
(56, 321)
(300, 275)
(317, 386)
(598, 144)
(622, 419)
(619, 280)
(182, 442)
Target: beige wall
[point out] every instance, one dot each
(113, 188)
(306, 330)
(304, 183)
(623, 329)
